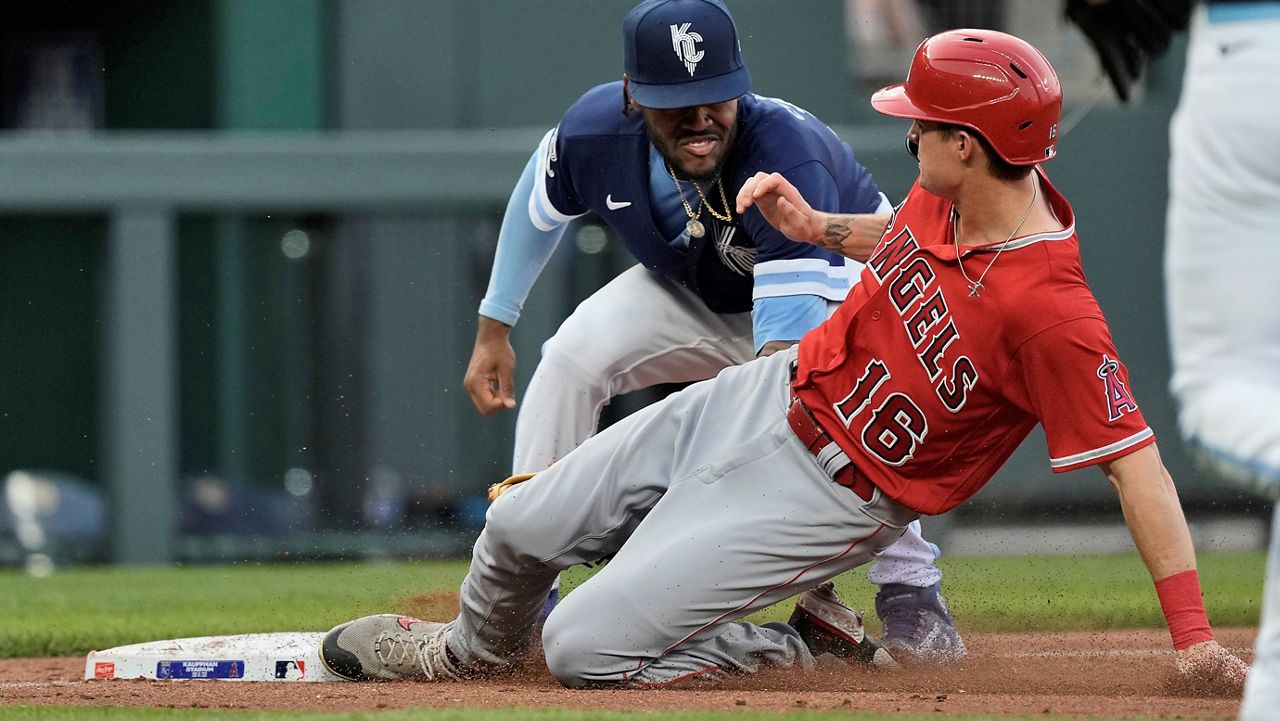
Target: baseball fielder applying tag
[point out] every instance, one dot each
(971, 323)
(658, 157)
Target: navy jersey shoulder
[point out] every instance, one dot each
(777, 136)
(599, 113)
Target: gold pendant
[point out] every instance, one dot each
(694, 226)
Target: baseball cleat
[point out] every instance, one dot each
(389, 647)
(827, 625)
(918, 626)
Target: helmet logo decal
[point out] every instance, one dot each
(683, 42)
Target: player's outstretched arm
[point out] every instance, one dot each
(1154, 515)
(852, 235)
(492, 367)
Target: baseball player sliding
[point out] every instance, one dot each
(972, 322)
(658, 157)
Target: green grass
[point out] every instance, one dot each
(75, 611)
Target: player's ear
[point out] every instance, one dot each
(627, 103)
(966, 145)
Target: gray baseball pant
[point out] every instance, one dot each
(711, 508)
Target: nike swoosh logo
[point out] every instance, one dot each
(615, 204)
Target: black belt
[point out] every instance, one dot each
(833, 460)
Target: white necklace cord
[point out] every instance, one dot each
(975, 286)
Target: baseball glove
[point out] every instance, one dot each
(498, 489)
(1128, 34)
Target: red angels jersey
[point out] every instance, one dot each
(929, 390)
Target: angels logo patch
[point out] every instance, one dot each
(1119, 399)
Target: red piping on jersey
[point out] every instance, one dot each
(735, 611)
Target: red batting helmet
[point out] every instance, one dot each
(991, 82)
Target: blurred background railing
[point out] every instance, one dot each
(242, 243)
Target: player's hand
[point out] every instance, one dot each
(1128, 34)
(782, 205)
(492, 367)
(1210, 669)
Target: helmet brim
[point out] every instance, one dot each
(893, 101)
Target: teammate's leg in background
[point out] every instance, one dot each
(1220, 275)
(1262, 690)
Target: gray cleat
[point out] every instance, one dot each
(389, 647)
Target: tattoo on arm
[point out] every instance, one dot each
(834, 235)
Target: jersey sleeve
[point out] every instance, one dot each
(553, 202)
(1079, 390)
(523, 251)
(786, 318)
(784, 267)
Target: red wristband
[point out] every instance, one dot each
(1184, 609)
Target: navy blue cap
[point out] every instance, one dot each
(681, 53)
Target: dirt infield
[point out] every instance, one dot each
(1098, 674)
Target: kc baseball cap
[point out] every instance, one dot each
(681, 53)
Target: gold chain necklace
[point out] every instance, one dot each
(975, 286)
(695, 226)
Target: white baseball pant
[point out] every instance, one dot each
(1221, 273)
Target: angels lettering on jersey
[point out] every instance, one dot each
(897, 426)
